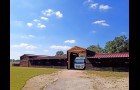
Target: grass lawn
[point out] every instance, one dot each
(19, 75)
(108, 73)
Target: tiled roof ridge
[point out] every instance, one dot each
(114, 53)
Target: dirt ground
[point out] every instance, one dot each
(38, 82)
(110, 83)
(71, 80)
(75, 80)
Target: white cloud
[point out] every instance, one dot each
(28, 36)
(93, 31)
(15, 54)
(29, 51)
(94, 5)
(105, 24)
(24, 37)
(29, 24)
(39, 25)
(104, 7)
(20, 45)
(59, 14)
(19, 23)
(60, 47)
(32, 36)
(25, 45)
(30, 47)
(44, 18)
(101, 22)
(48, 12)
(45, 50)
(123, 33)
(36, 20)
(89, 1)
(70, 41)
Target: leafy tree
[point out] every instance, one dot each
(119, 44)
(127, 44)
(65, 55)
(95, 48)
(59, 53)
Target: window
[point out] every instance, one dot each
(79, 61)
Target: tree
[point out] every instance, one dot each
(65, 54)
(109, 48)
(119, 44)
(127, 44)
(95, 48)
(59, 53)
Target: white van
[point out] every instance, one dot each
(79, 63)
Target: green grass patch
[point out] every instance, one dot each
(108, 73)
(19, 75)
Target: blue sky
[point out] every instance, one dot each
(46, 26)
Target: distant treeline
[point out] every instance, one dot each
(118, 45)
(13, 60)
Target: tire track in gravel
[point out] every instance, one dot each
(71, 80)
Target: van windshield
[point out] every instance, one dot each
(79, 60)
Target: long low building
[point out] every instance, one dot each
(30, 60)
(95, 61)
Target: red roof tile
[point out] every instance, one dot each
(113, 55)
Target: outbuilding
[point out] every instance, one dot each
(95, 61)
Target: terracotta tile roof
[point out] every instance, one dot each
(113, 55)
(97, 55)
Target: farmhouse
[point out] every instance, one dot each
(95, 61)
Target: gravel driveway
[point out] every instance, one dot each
(75, 80)
(71, 80)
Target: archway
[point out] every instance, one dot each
(72, 57)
